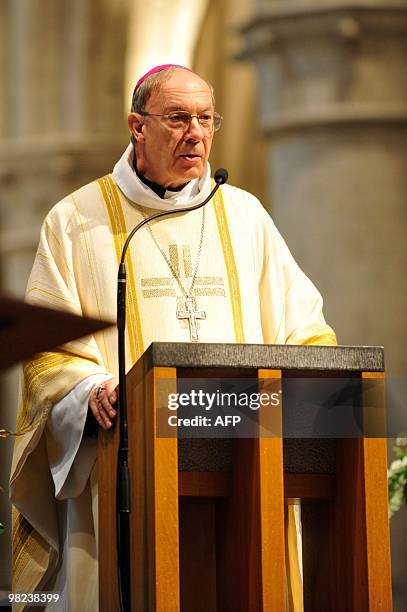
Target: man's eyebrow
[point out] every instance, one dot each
(173, 107)
(176, 107)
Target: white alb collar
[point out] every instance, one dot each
(139, 193)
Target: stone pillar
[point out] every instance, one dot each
(3, 68)
(61, 126)
(333, 103)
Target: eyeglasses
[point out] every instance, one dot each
(181, 120)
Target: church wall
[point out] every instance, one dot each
(239, 146)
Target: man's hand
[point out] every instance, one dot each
(102, 402)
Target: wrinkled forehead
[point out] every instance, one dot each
(182, 88)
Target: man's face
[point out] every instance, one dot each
(167, 156)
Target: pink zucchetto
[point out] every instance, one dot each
(157, 69)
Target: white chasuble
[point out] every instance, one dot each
(246, 283)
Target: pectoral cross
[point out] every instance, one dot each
(192, 315)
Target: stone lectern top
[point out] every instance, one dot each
(281, 356)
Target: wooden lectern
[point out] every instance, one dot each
(207, 522)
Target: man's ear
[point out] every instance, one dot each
(135, 122)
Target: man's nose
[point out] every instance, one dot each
(195, 129)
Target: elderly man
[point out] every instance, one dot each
(226, 259)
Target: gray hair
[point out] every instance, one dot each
(154, 83)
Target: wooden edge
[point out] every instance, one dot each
(361, 531)
(380, 375)
(271, 513)
(377, 524)
(165, 538)
(309, 488)
(204, 484)
(271, 416)
(377, 517)
(374, 405)
(108, 442)
(298, 488)
(137, 384)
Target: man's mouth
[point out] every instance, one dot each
(190, 156)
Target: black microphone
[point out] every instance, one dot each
(221, 176)
(123, 477)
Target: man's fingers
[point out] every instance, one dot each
(110, 391)
(99, 414)
(105, 417)
(101, 402)
(105, 402)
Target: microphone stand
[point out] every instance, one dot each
(123, 494)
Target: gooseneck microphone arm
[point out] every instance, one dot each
(123, 508)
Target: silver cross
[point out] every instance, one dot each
(192, 315)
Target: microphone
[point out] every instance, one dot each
(221, 176)
(123, 476)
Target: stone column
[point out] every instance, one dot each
(333, 103)
(61, 126)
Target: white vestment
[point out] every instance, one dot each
(247, 283)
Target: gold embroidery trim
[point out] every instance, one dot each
(186, 253)
(157, 282)
(328, 339)
(118, 225)
(233, 279)
(209, 291)
(209, 280)
(174, 259)
(88, 255)
(154, 293)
